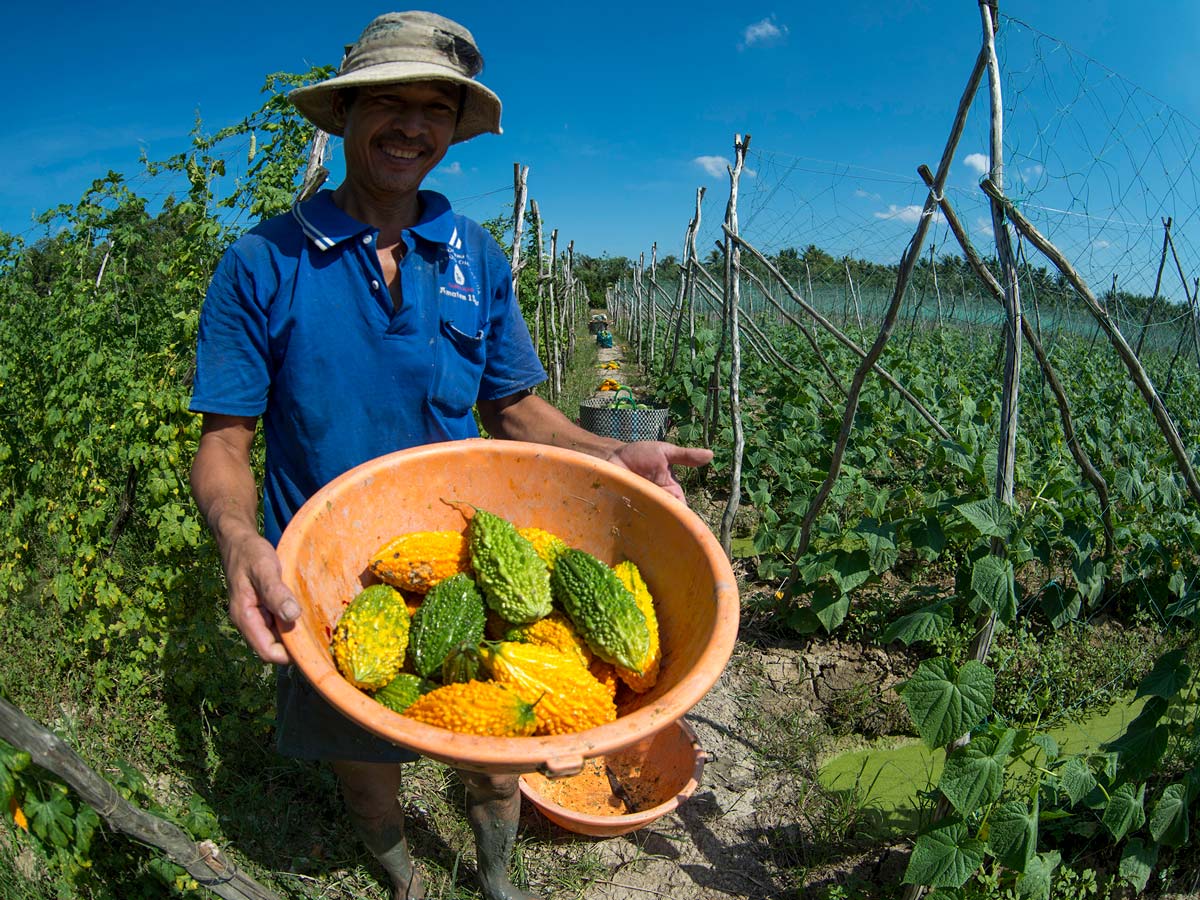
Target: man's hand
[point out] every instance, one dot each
(258, 598)
(653, 460)
(224, 488)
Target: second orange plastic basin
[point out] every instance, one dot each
(589, 503)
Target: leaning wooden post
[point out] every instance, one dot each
(203, 861)
(552, 319)
(315, 172)
(520, 191)
(1139, 375)
(1090, 473)
(733, 290)
(1162, 262)
(539, 333)
(653, 314)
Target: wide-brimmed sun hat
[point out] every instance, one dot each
(401, 47)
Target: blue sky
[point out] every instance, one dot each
(620, 110)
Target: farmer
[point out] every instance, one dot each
(368, 319)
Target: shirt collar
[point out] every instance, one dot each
(326, 225)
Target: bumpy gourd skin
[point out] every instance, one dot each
(636, 585)
(420, 559)
(476, 707)
(371, 637)
(452, 614)
(566, 697)
(554, 631)
(403, 691)
(603, 611)
(514, 579)
(548, 546)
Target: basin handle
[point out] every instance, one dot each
(562, 766)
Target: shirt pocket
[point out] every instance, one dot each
(458, 369)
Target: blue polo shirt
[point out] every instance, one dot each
(298, 327)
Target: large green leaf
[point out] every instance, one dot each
(1061, 605)
(1035, 883)
(1144, 742)
(830, 607)
(990, 517)
(51, 819)
(850, 570)
(1169, 819)
(1089, 575)
(1075, 779)
(924, 624)
(12, 761)
(1125, 811)
(1137, 862)
(945, 856)
(1013, 834)
(945, 704)
(973, 775)
(1168, 677)
(992, 587)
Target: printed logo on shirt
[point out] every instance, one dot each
(463, 287)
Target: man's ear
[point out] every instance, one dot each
(337, 106)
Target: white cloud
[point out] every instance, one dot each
(1101, 244)
(983, 225)
(1031, 172)
(763, 32)
(455, 168)
(716, 166)
(977, 162)
(910, 214)
(866, 195)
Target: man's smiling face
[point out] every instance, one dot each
(395, 134)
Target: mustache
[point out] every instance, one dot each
(403, 141)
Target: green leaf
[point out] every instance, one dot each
(1168, 677)
(925, 624)
(1076, 779)
(830, 607)
(1061, 605)
(1089, 575)
(944, 856)
(51, 819)
(992, 587)
(850, 570)
(1169, 820)
(990, 517)
(1125, 811)
(945, 704)
(1013, 833)
(974, 774)
(1144, 742)
(12, 761)
(1137, 862)
(1048, 745)
(1035, 883)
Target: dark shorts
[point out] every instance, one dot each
(309, 728)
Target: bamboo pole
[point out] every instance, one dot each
(733, 283)
(1150, 307)
(1140, 378)
(315, 172)
(1090, 473)
(203, 861)
(520, 192)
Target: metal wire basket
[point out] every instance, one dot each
(623, 418)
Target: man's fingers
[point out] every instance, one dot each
(688, 456)
(259, 632)
(271, 591)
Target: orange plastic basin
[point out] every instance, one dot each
(589, 503)
(655, 775)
